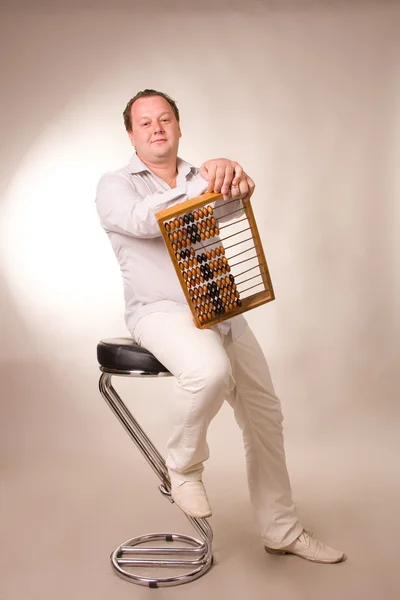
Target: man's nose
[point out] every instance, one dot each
(158, 127)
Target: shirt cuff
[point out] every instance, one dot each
(196, 188)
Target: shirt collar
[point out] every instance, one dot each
(137, 166)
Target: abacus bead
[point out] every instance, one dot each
(208, 256)
(213, 220)
(181, 221)
(176, 222)
(201, 214)
(195, 228)
(208, 223)
(174, 247)
(202, 236)
(216, 230)
(196, 215)
(204, 257)
(192, 251)
(210, 210)
(191, 218)
(186, 219)
(167, 227)
(239, 302)
(198, 238)
(222, 250)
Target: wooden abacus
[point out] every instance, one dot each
(212, 246)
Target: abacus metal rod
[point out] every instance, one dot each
(253, 286)
(244, 281)
(237, 243)
(229, 202)
(234, 223)
(243, 272)
(243, 261)
(242, 252)
(213, 243)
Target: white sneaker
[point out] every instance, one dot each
(310, 549)
(191, 497)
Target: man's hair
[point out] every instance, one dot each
(147, 94)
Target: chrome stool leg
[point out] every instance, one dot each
(192, 555)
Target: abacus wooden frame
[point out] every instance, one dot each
(248, 303)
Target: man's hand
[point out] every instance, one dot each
(228, 178)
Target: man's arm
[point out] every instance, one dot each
(123, 210)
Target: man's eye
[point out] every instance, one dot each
(165, 120)
(145, 124)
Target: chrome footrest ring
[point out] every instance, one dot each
(178, 551)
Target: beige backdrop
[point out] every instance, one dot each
(306, 95)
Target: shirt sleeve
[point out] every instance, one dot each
(122, 210)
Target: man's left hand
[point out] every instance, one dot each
(228, 178)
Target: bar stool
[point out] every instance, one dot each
(123, 358)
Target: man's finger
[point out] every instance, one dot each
(211, 178)
(229, 173)
(219, 179)
(237, 175)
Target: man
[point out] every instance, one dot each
(209, 365)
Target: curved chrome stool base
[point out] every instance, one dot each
(190, 555)
(195, 557)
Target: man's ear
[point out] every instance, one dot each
(131, 137)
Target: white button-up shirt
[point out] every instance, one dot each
(127, 201)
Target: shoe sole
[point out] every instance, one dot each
(281, 552)
(203, 516)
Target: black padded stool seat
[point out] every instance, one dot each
(123, 354)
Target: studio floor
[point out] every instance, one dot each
(74, 487)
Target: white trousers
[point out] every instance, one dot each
(209, 368)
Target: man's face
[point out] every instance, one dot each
(155, 130)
